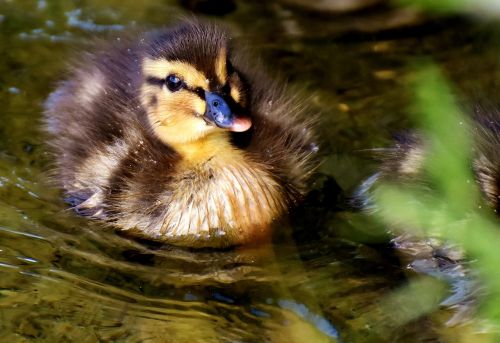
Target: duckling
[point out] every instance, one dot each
(404, 164)
(175, 137)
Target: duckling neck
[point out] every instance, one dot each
(203, 149)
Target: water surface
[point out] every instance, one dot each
(327, 275)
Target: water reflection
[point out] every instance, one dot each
(64, 278)
(112, 287)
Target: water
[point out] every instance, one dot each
(328, 274)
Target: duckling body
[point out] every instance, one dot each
(404, 162)
(172, 137)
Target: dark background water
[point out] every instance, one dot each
(329, 273)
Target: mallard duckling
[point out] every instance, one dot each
(404, 162)
(174, 137)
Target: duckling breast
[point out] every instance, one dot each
(213, 204)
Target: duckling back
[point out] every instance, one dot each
(403, 163)
(134, 146)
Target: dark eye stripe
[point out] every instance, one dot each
(198, 91)
(226, 89)
(155, 81)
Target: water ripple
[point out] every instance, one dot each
(21, 233)
(74, 20)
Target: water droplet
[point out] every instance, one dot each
(220, 233)
(41, 5)
(14, 90)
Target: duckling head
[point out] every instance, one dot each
(190, 90)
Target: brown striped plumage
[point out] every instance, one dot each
(404, 162)
(136, 154)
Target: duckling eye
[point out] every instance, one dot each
(174, 83)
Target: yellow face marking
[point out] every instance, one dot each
(162, 68)
(176, 117)
(220, 66)
(235, 94)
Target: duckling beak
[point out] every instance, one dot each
(219, 113)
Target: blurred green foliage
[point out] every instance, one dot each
(452, 210)
(489, 8)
